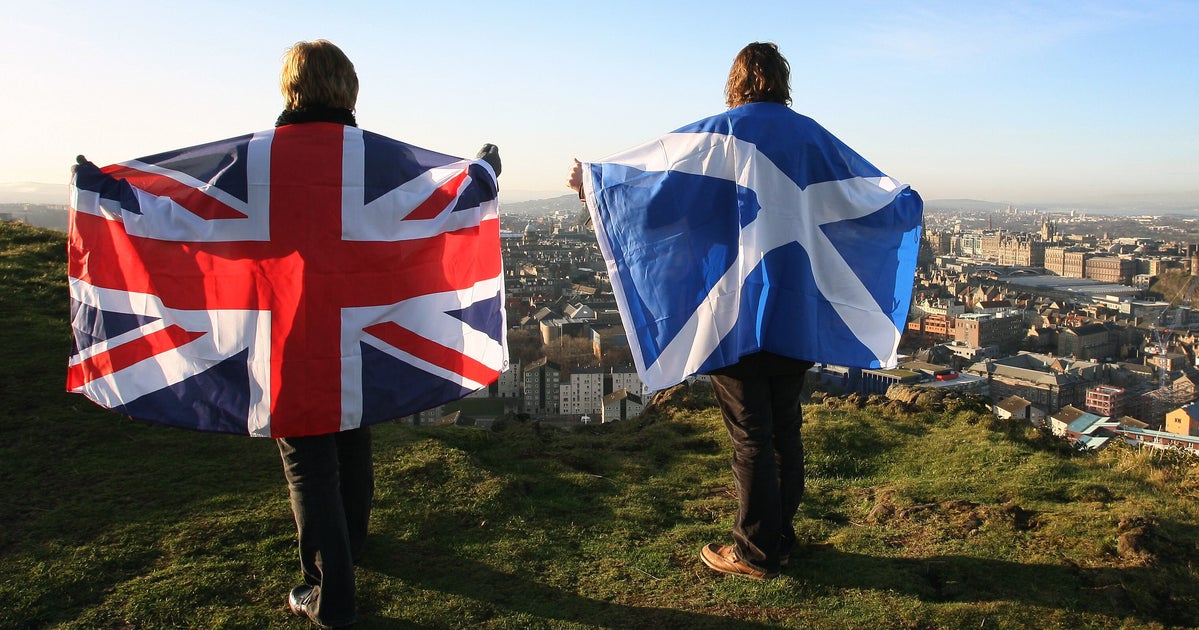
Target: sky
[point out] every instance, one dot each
(1020, 102)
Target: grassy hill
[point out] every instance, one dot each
(921, 514)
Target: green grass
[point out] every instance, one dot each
(934, 516)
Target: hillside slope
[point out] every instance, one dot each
(928, 514)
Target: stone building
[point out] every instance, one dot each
(1020, 251)
(1111, 269)
(1055, 260)
(988, 329)
(1049, 383)
(1089, 341)
(1074, 263)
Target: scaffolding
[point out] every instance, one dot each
(1159, 402)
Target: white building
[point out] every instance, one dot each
(621, 405)
(583, 392)
(506, 386)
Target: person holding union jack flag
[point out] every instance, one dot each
(747, 246)
(330, 475)
(300, 283)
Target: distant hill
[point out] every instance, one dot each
(1147, 204)
(33, 192)
(53, 217)
(963, 204)
(42, 194)
(1186, 202)
(511, 195)
(1129, 205)
(564, 203)
(922, 511)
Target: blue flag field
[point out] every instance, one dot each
(754, 230)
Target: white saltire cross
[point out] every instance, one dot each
(788, 214)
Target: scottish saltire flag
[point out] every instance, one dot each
(754, 230)
(299, 281)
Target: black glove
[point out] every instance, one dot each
(79, 161)
(491, 154)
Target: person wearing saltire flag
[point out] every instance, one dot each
(747, 246)
(301, 283)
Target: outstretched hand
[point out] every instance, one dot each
(491, 154)
(575, 180)
(81, 161)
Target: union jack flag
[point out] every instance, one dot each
(304, 280)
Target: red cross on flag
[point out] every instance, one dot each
(304, 280)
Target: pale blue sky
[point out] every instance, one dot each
(1020, 102)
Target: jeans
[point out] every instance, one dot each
(759, 399)
(331, 482)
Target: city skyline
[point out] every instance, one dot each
(1025, 103)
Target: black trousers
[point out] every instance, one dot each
(759, 399)
(331, 481)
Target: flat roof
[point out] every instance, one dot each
(1085, 286)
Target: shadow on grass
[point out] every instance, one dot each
(1146, 593)
(499, 593)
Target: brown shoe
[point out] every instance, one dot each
(724, 560)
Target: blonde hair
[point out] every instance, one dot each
(760, 73)
(318, 74)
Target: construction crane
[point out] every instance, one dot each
(1188, 291)
(1161, 341)
(1162, 334)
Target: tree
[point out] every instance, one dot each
(617, 356)
(524, 345)
(571, 352)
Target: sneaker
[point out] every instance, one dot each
(300, 599)
(724, 560)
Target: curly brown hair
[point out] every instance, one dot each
(760, 73)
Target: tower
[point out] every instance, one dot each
(1048, 230)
